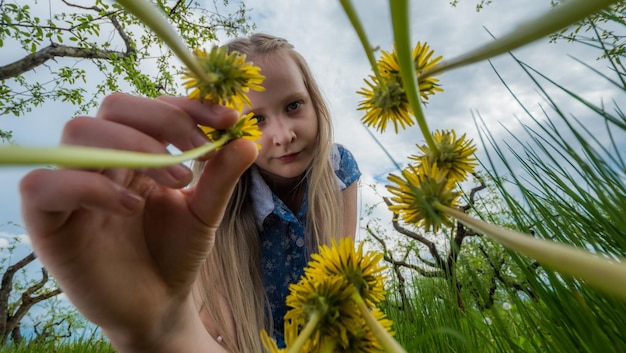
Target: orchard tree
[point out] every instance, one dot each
(467, 261)
(78, 51)
(20, 292)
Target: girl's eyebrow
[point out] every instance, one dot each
(296, 95)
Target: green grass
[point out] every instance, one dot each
(81, 346)
(558, 180)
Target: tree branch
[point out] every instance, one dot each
(28, 300)
(5, 291)
(402, 263)
(130, 48)
(55, 50)
(473, 192)
(432, 248)
(498, 274)
(52, 51)
(427, 262)
(175, 7)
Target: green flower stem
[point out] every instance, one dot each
(358, 27)
(400, 20)
(604, 274)
(152, 17)
(308, 330)
(390, 345)
(565, 14)
(91, 157)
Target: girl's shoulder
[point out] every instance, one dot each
(345, 166)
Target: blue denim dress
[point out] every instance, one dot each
(283, 250)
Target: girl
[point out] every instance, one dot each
(162, 268)
(292, 190)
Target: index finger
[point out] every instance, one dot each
(204, 112)
(170, 120)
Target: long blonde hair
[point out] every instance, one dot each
(232, 270)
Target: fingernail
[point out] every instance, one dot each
(129, 200)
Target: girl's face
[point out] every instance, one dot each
(286, 117)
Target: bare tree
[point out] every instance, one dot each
(12, 313)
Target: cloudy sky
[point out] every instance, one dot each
(321, 32)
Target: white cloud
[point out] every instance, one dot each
(19, 238)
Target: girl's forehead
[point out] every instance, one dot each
(276, 58)
(283, 81)
(279, 66)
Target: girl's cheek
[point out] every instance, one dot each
(265, 143)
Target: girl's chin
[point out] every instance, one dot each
(283, 174)
(286, 175)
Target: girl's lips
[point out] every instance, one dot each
(288, 157)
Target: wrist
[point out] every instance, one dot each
(183, 332)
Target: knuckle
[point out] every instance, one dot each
(75, 128)
(31, 181)
(112, 100)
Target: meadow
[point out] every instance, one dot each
(558, 182)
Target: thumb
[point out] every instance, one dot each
(218, 179)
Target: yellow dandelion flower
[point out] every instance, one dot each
(329, 298)
(385, 102)
(361, 269)
(415, 193)
(269, 343)
(290, 334)
(246, 128)
(389, 66)
(453, 156)
(363, 339)
(380, 316)
(334, 303)
(235, 77)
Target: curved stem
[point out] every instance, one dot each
(390, 345)
(562, 16)
(400, 20)
(152, 17)
(604, 274)
(308, 330)
(358, 27)
(91, 157)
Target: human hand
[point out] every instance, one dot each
(126, 245)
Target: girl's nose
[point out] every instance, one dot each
(282, 133)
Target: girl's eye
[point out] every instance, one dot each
(293, 106)
(259, 118)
